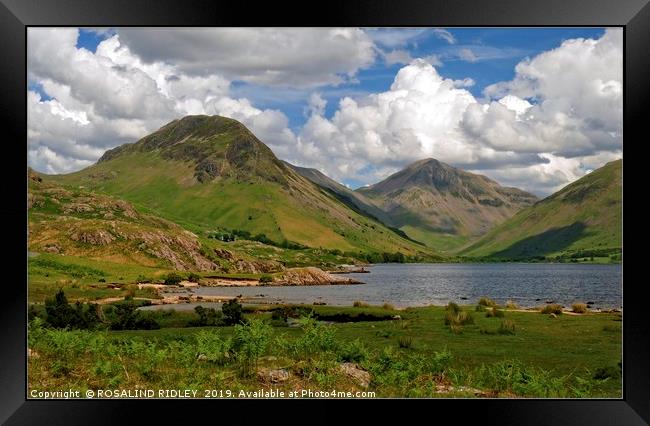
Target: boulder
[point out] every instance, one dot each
(360, 376)
(273, 375)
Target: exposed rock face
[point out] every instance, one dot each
(112, 226)
(245, 266)
(360, 376)
(312, 276)
(248, 267)
(97, 237)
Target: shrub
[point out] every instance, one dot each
(486, 301)
(232, 312)
(507, 327)
(207, 316)
(266, 278)
(494, 313)
(360, 304)
(102, 280)
(579, 308)
(125, 316)
(213, 347)
(60, 314)
(173, 279)
(317, 338)
(552, 309)
(250, 343)
(388, 307)
(353, 351)
(193, 277)
(511, 305)
(480, 308)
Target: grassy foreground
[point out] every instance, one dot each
(418, 355)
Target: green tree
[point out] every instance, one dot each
(232, 312)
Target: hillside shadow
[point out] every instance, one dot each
(553, 240)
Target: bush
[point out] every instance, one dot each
(494, 313)
(60, 314)
(353, 351)
(316, 338)
(213, 347)
(265, 279)
(207, 317)
(360, 304)
(579, 308)
(125, 316)
(388, 307)
(552, 309)
(250, 343)
(173, 279)
(507, 327)
(480, 308)
(193, 277)
(232, 312)
(486, 301)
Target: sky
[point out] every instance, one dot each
(534, 108)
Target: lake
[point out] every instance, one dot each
(425, 284)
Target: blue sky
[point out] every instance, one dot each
(322, 97)
(506, 46)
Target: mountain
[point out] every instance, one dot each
(443, 206)
(584, 216)
(344, 194)
(210, 173)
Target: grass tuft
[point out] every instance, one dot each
(552, 309)
(405, 342)
(579, 308)
(494, 313)
(486, 301)
(507, 327)
(511, 305)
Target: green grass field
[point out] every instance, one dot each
(415, 356)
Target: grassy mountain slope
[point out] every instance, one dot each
(208, 173)
(442, 206)
(585, 215)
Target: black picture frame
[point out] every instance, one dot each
(17, 15)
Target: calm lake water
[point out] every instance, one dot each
(425, 284)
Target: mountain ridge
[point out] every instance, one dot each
(212, 173)
(444, 206)
(585, 215)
